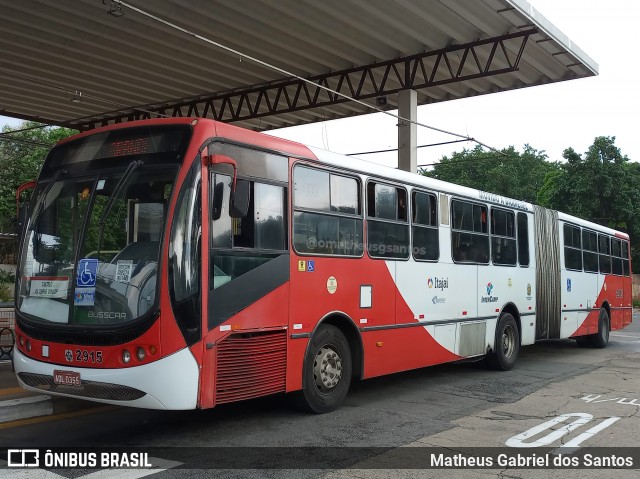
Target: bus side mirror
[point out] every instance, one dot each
(239, 201)
(22, 210)
(239, 206)
(21, 220)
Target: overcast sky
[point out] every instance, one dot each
(550, 117)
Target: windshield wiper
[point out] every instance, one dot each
(40, 204)
(116, 191)
(112, 199)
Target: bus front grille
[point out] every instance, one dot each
(250, 365)
(88, 389)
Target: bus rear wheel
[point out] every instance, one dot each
(327, 370)
(601, 338)
(507, 344)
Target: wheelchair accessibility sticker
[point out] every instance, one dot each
(87, 272)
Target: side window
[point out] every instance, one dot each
(469, 235)
(240, 245)
(327, 216)
(523, 239)
(387, 225)
(185, 257)
(604, 254)
(572, 248)
(625, 258)
(262, 228)
(503, 237)
(590, 251)
(424, 226)
(616, 256)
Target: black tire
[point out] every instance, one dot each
(583, 341)
(601, 338)
(507, 344)
(327, 371)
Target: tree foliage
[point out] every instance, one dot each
(21, 157)
(596, 186)
(602, 186)
(508, 172)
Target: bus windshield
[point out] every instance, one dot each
(91, 248)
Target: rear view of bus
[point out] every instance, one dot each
(88, 302)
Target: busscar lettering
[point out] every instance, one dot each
(107, 315)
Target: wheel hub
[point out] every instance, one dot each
(327, 369)
(508, 341)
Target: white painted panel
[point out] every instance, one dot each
(446, 335)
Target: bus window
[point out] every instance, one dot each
(185, 257)
(327, 213)
(616, 257)
(387, 226)
(572, 248)
(503, 237)
(242, 244)
(425, 226)
(590, 251)
(469, 235)
(625, 258)
(604, 250)
(523, 239)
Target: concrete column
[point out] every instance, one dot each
(407, 131)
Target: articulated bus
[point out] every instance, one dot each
(186, 263)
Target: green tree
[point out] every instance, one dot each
(508, 172)
(602, 186)
(599, 186)
(21, 157)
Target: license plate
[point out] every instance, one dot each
(66, 378)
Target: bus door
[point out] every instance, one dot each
(248, 274)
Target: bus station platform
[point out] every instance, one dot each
(19, 404)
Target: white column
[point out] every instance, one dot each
(407, 131)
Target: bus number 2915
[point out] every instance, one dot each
(84, 356)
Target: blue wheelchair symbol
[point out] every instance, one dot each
(87, 272)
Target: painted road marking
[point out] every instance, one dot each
(520, 440)
(594, 398)
(101, 474)
(7, 391)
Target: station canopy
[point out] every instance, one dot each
(88, 63)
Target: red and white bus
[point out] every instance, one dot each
(185, 263)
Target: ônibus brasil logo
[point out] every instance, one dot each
(438, 283)
(488, 298)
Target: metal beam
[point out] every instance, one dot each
(482, 58)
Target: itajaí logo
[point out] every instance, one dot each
(438, 283)
(489, 298)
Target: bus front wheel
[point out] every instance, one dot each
(327, 370)
(507, 344)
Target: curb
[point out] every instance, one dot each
(24, 408)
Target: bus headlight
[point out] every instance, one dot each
(126, 356)
(140, 353)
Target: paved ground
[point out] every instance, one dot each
(451, 406)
